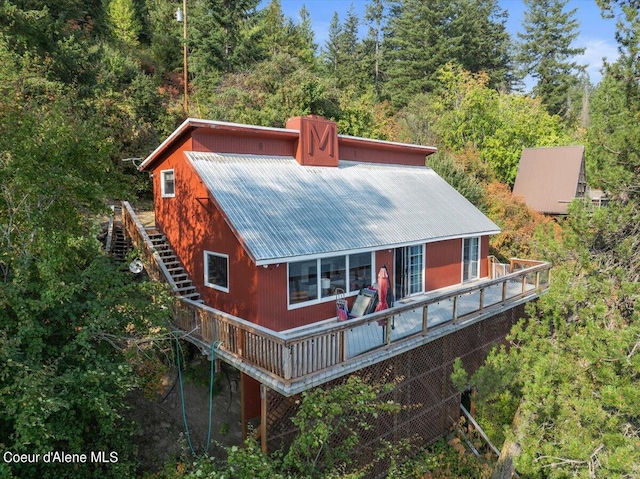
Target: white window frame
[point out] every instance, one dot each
(206, 271)
(424, 268)
(163, 173)
(477, 260)
(327, 299)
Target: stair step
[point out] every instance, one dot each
(180, 268)
(191, 295)
(189, 288)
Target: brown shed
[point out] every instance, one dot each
(550, 178)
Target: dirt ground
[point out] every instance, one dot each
(161, 435)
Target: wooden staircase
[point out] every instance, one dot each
(185, 287)
(119, 245)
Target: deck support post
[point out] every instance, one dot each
(263, 418)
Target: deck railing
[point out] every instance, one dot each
(303, 354)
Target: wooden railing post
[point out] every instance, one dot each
(387, 331)
(287, 359)
(537, 279)
(455, 308)
(524, 283)
(241, 333)
(425, 318)
(481, 299)
(504, 290)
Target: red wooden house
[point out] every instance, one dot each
(273, 225)
(270, 222)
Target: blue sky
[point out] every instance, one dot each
(597, 35)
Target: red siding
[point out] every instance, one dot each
(223, 142)
(443, 264)
(384, 257)
(484, 253)
(372, 155)
(193, 224)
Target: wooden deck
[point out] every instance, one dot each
(290, 362)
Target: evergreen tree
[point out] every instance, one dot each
(420, 37)
(546, 53)
(374, 16)
(486, 44)
(123, 21)
(219, 34)
(342, 52)
(614, 134)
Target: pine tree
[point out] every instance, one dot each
(124, 24)
(374, 16)
(219, 35)
(480, 30)
(421, 37)
(546, 53)
(342, 53)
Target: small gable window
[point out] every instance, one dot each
(168, 184)
(216, 271)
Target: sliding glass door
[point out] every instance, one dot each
(409, 271)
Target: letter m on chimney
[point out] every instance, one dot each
(322, 142)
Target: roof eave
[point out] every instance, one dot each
(231, 128)
(328, 254)
(356, 141)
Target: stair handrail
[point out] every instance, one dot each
(146, 245)
(110, 228)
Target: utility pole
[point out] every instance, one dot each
(181, 16)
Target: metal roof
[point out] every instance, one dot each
(281, 210)
(551, 178)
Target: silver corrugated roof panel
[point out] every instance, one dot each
(282, 210)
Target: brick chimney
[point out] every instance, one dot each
(318, 140)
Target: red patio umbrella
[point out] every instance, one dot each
(383, 289)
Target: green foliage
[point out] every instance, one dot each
(443, 460)
(466, 184)
(124, 22)
(546, 53)
(73, 327)
(573, 371)
(278, 89)
(463, 112)
(329, 420)
(421, 37)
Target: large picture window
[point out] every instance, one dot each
(216, 271)
(319, 279)
(167, 184)
(470, 259)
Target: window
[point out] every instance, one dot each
(168, 184)
(470, 258)
(333, 275)
(360, 268)
(303, 281)
(216, 271)
(319, 279)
